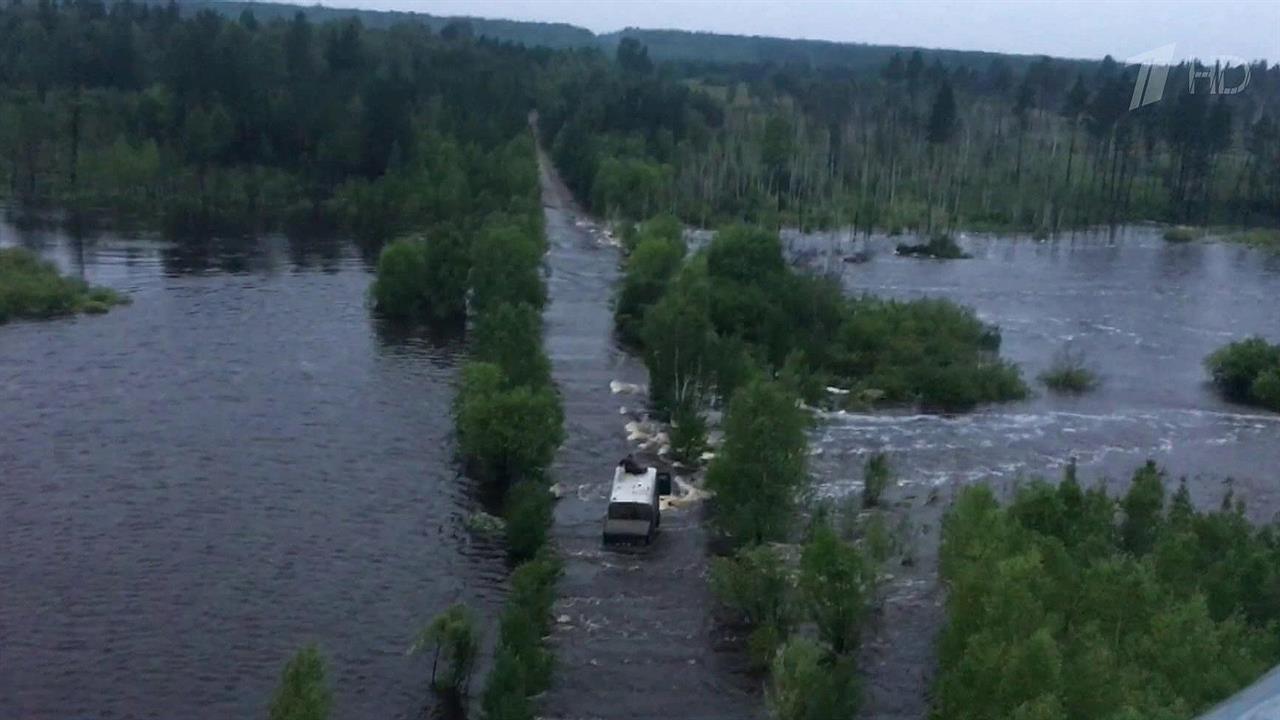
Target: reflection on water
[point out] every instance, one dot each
(240, 462)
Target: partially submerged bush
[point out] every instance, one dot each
(506, 432)
(1180, 234)
(761, 467)
(756, 590)
(939, 247)
(455, 642)
(33, 288)
(303, 693)
(528, 518)
(1248, 372)
(875, 479)
(835, 584)
(805, 683)
(1070, 373)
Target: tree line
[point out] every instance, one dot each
(206, 123)
(912, 145)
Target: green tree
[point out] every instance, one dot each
(876, 476)
(510, 336)
(1143, 508)
(453, 638)
(761, 469)
(805, 685)
(528, 516)
(303, 693)
(505, 264)
(506, 432)
(835, 584)
(943, 120)
(504, 695)
(756, 589)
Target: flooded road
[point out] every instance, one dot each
(636, 639)
(195, 485)
(1144, 312)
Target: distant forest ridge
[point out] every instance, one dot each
(663, 45)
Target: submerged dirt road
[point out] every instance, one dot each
(635, 638)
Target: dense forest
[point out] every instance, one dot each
(913, 145)
(216, 124)
(1070, 603)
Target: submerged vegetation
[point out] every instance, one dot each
(304, 692)
(33, 288)
(1069, 603)
(939, 247)
(1247, 372)
(1070, 373)
(735, 306)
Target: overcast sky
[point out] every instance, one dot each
(1248, 29)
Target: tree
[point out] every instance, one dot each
(876, 476)
(679, 344)
(761, 469)
(453, 637)
(510, 336)
(756, 589)
(303, 693)
(506, 432)
(504, 268)
(633, 57)
(835, 582)
(1143, 508)
(528, 516)
(804, 685)
(942, 117)
(504, 695)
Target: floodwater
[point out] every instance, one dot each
(243, 461)
(1144, 313)
(194, 486)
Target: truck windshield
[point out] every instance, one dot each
(630, 511)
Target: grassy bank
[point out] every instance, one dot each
(33, 288)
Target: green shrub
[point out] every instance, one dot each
(753, 585)
(835, 584)
(528, 518)
(939, 247)
(649, 268)
(399, 290)
(876, 476)
(506, 432)
(504, 696)
(804, 684)
(1180, 234)
(303, 693)
(1069, 373)
(506, 261)
(453, 638)
(761, 468)
(1239, 368)
(33, 288)
(520, 633)
(510, 336)
(688, 433)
